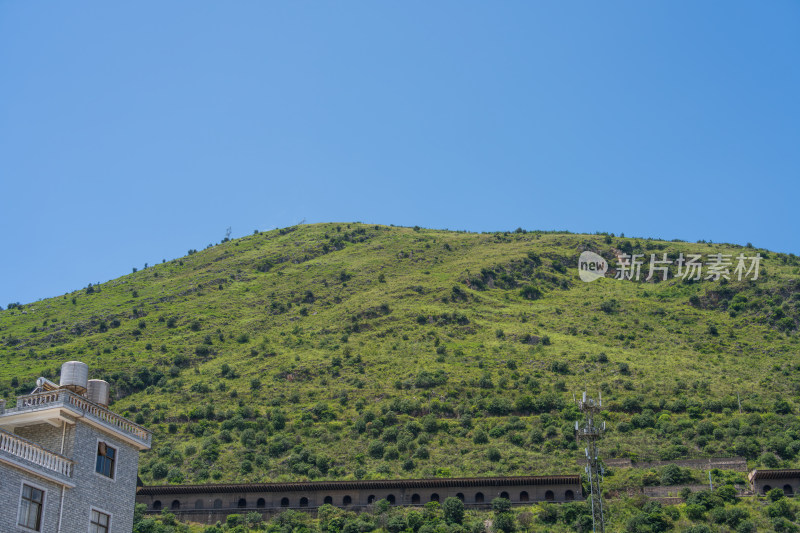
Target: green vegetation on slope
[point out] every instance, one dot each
(340, 351)
(703, 511)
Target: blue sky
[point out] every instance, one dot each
(133, 132)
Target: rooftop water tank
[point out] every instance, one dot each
(98, 392)
(75, 376)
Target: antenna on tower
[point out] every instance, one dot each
(594, 468)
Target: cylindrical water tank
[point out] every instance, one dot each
(98, 392)
(75, 376)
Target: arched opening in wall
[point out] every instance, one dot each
(434, 497)
(261, 503)
(284, 502)
(217, 504)
(175, 505)
(787, 490)
(198, 504)
(242, 503)
(328, 500)
(157, 505)
(460, 496)
(504, 494)
(347, 500)
(303, 502)
(569, 495)
(414, 499)
(523, 496)
(478, 497)
(371, 499)
(766, 488)
(390, 499)
(549, 496)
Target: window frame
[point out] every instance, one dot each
(92, 510)
(43, 490)
(114, 461)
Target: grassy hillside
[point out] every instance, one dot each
(340, 351)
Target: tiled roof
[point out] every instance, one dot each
(153, 490)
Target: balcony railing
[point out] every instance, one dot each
(32, 452)
(66, 398)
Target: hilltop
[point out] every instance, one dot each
(340, 351)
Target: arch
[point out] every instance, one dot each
(549, 496)
(390, 498)
(175, 505)
(217, 504)
(569, 495)
(242, 503)
(460, 496)
(261, 503)
(523, 496)
(284, 502)
(766, 488)
(478, 497)
(347, 500)
(303, 502)
(328, 500)
(199, 504)
(157, 505)
(371, 499)
(787, 490)
(434, 497)
(414, 499)
(504, 494)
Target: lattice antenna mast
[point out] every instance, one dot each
(591, 433)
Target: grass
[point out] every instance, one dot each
(284, 355)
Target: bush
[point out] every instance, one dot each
(504, 522)
(159, 471)
(548, 513)
(675, 475)
(695, 512)
(530, 292)
(501, 505)
(609, 306)
(453, 510)
(775, 494)
(376, 449)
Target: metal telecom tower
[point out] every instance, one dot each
(591, 434)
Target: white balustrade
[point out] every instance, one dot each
(29, 451)
(48, 399)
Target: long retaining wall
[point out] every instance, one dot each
(213, 502)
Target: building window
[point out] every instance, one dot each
(106, 457)
(30, 512)
(99, 523)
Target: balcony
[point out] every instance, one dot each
(30, 456)
(49, 405)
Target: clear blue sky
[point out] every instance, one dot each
(131, 132)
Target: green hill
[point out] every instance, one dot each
(334, 351)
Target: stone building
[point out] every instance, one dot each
(787, 480)
(213, 502)
(67, 463)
